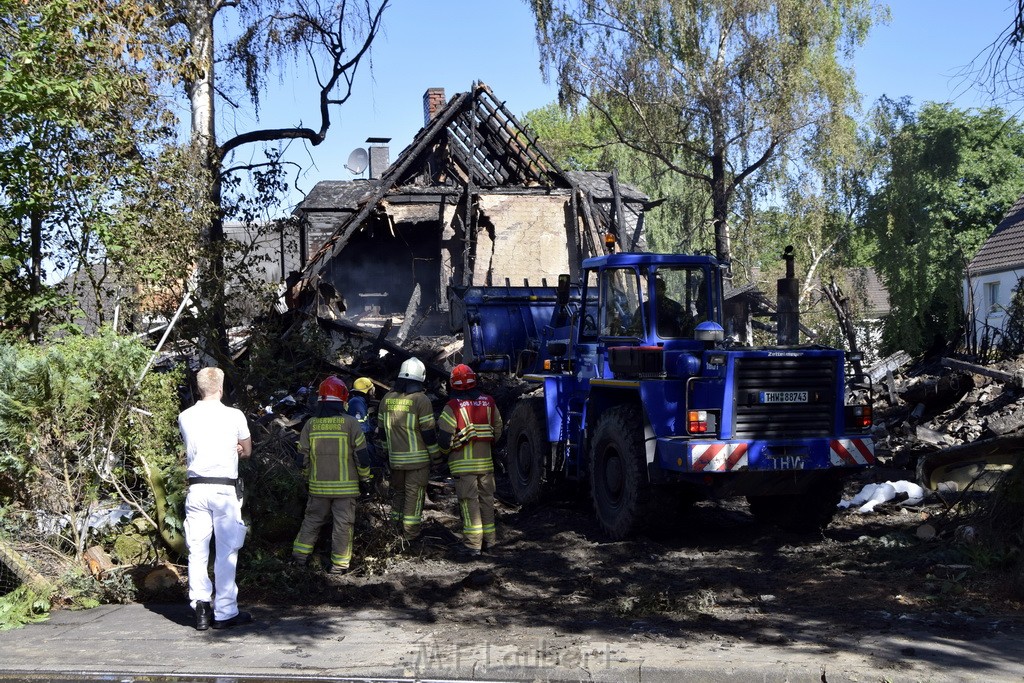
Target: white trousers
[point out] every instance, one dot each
(213, 510)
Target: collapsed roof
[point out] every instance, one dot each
(473, 200)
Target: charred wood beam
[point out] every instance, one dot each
(999, 375)
(572, 239)
(591, 234)
(475, 161)
(349, 329)
(508, 133)
(620, 219)
(939, 394)
(539, 152)
(387, 181)
(888, 365)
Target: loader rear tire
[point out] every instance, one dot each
(619, 486)
(526, 449)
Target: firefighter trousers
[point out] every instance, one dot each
(476, 503)
(318, 510)
(408, 490)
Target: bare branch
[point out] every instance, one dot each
(332, 38)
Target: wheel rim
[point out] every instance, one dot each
(524, 461)
(613, 475)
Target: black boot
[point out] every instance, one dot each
(238, 619)
(204, 615)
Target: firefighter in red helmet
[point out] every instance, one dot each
(467, 430)
(333, 448)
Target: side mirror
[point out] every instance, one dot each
(562, 292)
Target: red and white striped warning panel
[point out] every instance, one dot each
(718, 457)
(851, 452)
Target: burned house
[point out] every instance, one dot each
(473, 200)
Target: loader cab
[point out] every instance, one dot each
(649, 299)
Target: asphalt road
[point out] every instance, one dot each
(157, 642)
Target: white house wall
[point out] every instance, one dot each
(990, 319)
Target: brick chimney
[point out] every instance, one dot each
(433, 100)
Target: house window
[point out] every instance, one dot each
(992, 297)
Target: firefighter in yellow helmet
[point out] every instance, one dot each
(333, 447)
(358, 406)
(407, 419)
(467, 430)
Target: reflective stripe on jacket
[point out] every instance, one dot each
(330, 444)
(475, 424)
(405, 417)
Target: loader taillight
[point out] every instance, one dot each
(697, 422)
(858, 418)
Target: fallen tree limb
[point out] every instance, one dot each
(1006, 377)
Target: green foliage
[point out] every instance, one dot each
(573, 139)
(23, 606)
(275, 363)
(950, 175)
(82, 122)
(715, 90)
(583, 140)
(75, 430)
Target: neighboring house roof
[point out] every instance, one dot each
(1004, 249)
(599, 185)
(870, 290)
(337, 195)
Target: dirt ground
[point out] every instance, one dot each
(716, 575)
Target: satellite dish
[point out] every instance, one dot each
(357, 161)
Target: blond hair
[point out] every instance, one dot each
(210, 381)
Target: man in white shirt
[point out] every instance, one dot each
(215, 436)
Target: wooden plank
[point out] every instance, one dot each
(980, 370)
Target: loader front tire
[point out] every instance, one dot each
(526, 449)
(619, 486)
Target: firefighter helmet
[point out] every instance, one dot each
(363, 385)
(413, 369)
(463, 378)
(333, 389)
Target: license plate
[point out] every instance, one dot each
(783, 397)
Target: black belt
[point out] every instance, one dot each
(226, 481)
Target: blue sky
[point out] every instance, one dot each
(452, 43)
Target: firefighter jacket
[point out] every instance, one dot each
(334, 449)
(468, 427)
(409, 425)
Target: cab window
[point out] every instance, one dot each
(680, 301)
(620, 301)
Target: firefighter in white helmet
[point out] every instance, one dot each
(333, 447)
(467, 430)
(407, 419)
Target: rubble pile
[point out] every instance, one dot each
(947, 412)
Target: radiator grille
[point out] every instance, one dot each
(755, 420)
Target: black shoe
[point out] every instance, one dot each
(465, 553)
(299, 561)
(204, 615)
(238, 619)
(337, 570)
